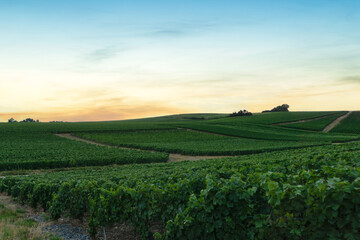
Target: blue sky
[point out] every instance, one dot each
(98, 60)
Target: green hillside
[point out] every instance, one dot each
(279, 183)
(317, 124)
(349, 125)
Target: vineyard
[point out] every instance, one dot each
(39, 151)
(311, 193)
(318, 124)
(350, 124)
(269, 182)
(264, 132)
(273, 118)
(192, 143)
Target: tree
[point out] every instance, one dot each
(29, 120)
(281, 108)
(240, 113)
(12, 120)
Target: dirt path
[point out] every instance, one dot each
(18, 216)
(336, 122)
(72, 137)
(172, 156)
(64, 228)
(179, 157)
(300, 121)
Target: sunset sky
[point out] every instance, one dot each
(89, 60)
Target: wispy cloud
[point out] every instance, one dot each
(168, 32)
(350, 79)
(178, 29)
(102, 54)
(314, 90)
(112, 109)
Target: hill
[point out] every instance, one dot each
(255, 175)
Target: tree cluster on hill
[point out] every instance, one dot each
(12, 120)
(240, 113)
(281, 108)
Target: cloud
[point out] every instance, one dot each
(114, 112)
(89, 93)
(179, 29)
(107, 109)
(238, 79)
(168, 32)
(313, 90)
(102, 54)
(351, 79)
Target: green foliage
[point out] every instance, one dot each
(271, 118)
(257, 131)
(195, 116)
(33, 146)
(351, 124)
(308, 193)
(311, 193)
(67, 127)
(241, 113)
(191, 142)
(317, 124)
(280, 108)
(38, 150)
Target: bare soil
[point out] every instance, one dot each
(72, 229)
(179, 157)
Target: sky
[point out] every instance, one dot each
(90, 60)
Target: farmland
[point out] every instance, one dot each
(269, 182)
(38, 151)
(349, 125)
(316, 125)
(191, 143)
(179, 120)
(323, 181)
(265, 132)
(273, 118)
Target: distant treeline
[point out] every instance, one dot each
(240, 113)
(12, 120)
(281, 108)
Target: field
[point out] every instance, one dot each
(265, 132)
(44, 150)
(191, 143)
(316, 125)
(273, 118)
(350, 124)
(253, 192)
(269, 182)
